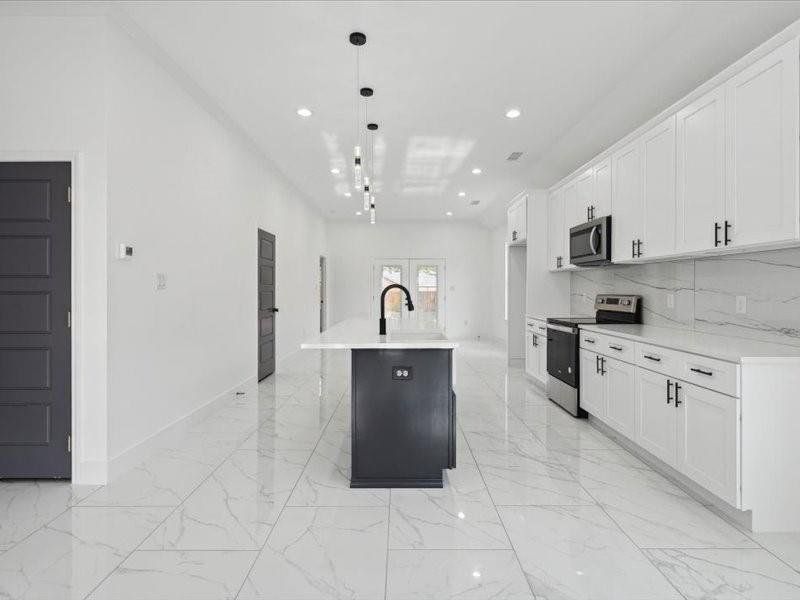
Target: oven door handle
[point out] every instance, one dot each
(592, 243)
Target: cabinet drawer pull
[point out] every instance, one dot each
(617, 348)
(653, 358)
(677, 389)
(701, 371)
(589, 340)
(669, 389)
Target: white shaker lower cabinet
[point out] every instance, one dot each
(536, 350)
(708, 440)
(592, 390)
(656, 417)
(620, 395)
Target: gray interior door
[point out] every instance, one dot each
(266, 304)
(35, 357)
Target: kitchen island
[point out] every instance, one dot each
(403, 403)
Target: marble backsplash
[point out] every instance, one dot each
(701, 294)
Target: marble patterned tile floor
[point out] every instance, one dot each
(252, 502)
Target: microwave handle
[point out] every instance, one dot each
(592, 241)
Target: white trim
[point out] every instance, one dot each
(138, 452)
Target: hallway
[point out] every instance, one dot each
(253, 502)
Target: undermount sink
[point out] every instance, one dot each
(415, 336)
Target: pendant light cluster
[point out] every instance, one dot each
(361, 179)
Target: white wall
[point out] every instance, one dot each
(52, 107)
(153, 168)
(498, 326)
(464, 246)
(190, 196)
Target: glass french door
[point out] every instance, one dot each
(424, 278)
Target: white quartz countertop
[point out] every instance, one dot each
(726, 348)
(363, 334)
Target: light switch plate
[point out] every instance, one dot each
(670, 300)
(125, 251)
(741, 304)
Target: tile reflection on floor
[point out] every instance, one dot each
(253, 502)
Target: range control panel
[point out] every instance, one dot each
(402, 373)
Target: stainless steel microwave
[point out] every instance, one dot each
(590, 242)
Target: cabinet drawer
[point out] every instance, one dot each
(607, 345)
(710, 373)
(661, 360)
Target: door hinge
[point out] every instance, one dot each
(69, 194)
(69, 443)
(69, 319)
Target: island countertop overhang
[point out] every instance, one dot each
(362, 334)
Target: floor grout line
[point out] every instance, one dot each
(285, 505)
(499, 517)
(174, 509)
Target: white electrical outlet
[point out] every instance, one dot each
(741, 304)
(161, 281)
(670, 300)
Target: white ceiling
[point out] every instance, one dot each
(444, 73)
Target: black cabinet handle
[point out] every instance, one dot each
(701, 371)
(592, 212)
(588, 214)
(602, 365)
(596, 363)
(653, 358)
(633, 248)
(727, 229)
(677, 402)
(589, 340)
(513, 236)
(717, 227)
(274, 310)
(617, 348)
(638, 248)
(669, 389)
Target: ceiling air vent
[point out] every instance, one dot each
(475, 203)
(514, 156)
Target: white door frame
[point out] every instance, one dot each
(83, 471)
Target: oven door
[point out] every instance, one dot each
(590, 242)
(562, 354)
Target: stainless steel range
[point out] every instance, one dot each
(563, 382)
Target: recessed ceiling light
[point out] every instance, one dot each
(476, 574)
(335, 171)
(449, 213)
(476, 171)
(304, 112)
(358, 213)
(347, 194)
(462, 194)
(513, 113)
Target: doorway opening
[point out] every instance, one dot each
(35, 320)
(425, 280)
(266, 304)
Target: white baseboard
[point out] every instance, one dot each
(138, 452)
(90, 472)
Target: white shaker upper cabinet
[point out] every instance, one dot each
(658, 191)
(626, 192)
(584, 198)
(700, 165)
(555, 230)
(762, 106)
(601, 206)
